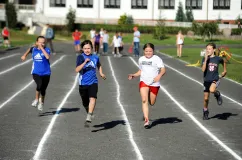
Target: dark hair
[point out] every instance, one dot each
(86, 42)
(39, 38)
(149, 45)
(211, 44)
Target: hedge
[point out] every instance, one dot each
(236, 31)
(119, 28)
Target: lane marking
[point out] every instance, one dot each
(27, 85)
(229, 150)
(2, 58)
(129, 130)
(15, 66)
(49, 128)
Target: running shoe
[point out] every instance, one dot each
(147, 124)
(218, 97)
(35, 103)
(205, 115)
(40, 106)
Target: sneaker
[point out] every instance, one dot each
(218, 97)
(35, 103)
(40, 106)
(112, 52)
(54, 53)
(205, 115)
(115, 55)
(89, 118)
(147, 124)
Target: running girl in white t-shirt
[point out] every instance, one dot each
(151, 69)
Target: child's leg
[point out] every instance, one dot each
(206, 100)
(144, 97)
(153, 94)
(180, 52)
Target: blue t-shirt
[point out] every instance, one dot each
(88, 73)
(41, 65)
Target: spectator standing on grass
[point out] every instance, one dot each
(136, 41)
(105, 42)
(6, 36)
(49, 35)
(76, 36)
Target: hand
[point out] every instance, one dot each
(130, 76)
(87, 60)
(156, 79)
(103, 76)
(41, 46)
(206, 55)
(224, 73)
(23, 58)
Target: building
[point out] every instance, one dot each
(109, 11)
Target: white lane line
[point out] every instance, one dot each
(130, 132)
(12, 55)
(210, 134)
(16, 66)
(26, 86)
(195, 66)
(48, 130)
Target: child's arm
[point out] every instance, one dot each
(100, 69)
(131, 76)
(225, 69)
(204, 63)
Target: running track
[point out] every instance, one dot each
(117, 133)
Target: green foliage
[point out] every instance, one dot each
(11, 15)
(189, 15)
(205, 29)
(180, 16)
(70, 20)
(124, 19)
(160, 30)
(236, 31)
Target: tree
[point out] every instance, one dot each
(124, 19)
(180, 16)
(160, 29)
(11, 15)
(205, 29)
(189, 15)
(239, 19)
(70, 20)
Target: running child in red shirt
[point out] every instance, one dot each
(151, 69)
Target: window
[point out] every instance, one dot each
(85, 3)
(194, 4)
(112, 4)
(139, 4)
(57, 3)
(166, 4)
(221, 4)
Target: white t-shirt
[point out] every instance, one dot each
(150, 68)
(105, 38)
(116, 41)
(92, 33)
(101, 33)
(136, 36)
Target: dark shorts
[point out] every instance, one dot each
(208, 84)
(5, 38)
(87, 91)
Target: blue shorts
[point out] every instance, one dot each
(77, 42)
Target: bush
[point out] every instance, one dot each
(70, 20)
(205, 29)
(236, 31)
(124, 19)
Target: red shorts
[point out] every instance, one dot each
(153, 89)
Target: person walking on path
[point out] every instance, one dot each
(76, 36)
(49, 35)
(86, 64)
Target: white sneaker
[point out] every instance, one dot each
(40, 106)
(54, 53)
(35, 103)
(112, 52)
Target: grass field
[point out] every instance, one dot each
(192, 55)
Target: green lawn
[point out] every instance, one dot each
(192, 55)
